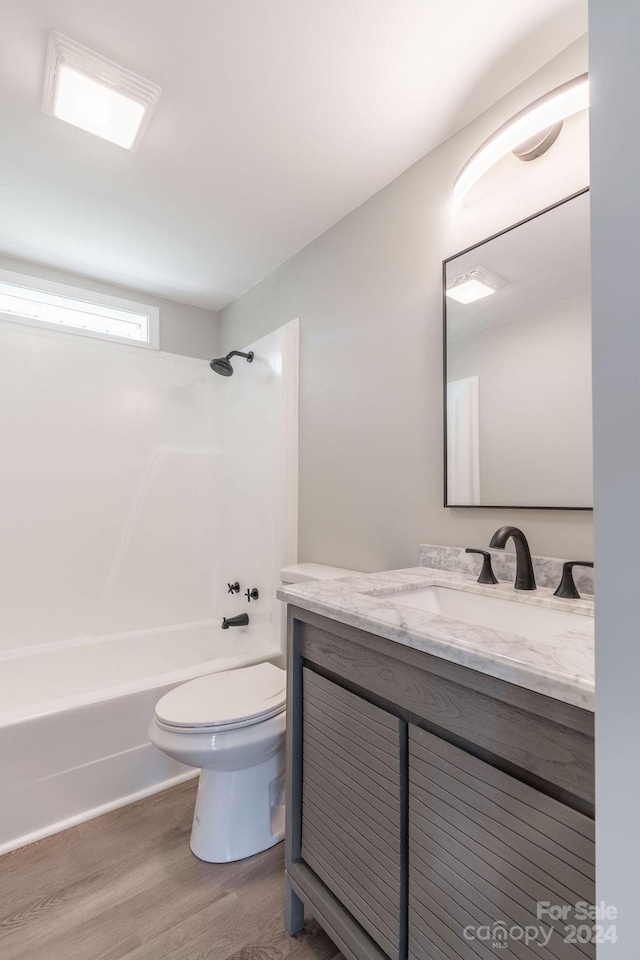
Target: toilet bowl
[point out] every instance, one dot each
(232, 726)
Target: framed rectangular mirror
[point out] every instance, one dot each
(517, 365)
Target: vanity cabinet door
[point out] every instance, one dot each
(351, 805)
(484, 849)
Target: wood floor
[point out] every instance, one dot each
(126, 885)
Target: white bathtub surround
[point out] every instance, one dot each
(232, 725)
(259, 478)
(548, 570)
(99, 439)
(562, 669)
(126, 489)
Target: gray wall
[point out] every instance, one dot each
(538, 449)
(368, 294)
(615, 215)
(185, 330)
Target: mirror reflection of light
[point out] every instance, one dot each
(473, 285)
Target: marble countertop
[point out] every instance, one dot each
(562, 668)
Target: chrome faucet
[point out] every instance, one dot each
(525, 577)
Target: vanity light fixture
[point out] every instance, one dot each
(96, 94)
(473, 285)
(528, 134)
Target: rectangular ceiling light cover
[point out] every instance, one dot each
(96, 94)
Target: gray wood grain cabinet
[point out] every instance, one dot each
(351, 804)
(427, 801)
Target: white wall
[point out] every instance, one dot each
(535, 405)
(368, 294)
(615, 215)
(107, 487)
(185, 330)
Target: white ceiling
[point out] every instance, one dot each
(277, 117)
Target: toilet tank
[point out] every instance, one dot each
(307, 572)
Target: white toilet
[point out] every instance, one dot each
(232, 726)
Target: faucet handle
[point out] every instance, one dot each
(567, 588)
(233, 587)
(486, 574)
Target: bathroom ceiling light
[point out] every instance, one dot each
(93, 93)
(539, 122)
(473, 285)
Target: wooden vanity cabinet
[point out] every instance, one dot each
(351, 805)
(427, 799)
(485, 848)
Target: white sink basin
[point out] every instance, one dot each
(497, 613)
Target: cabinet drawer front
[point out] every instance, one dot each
(549, 741)
(351, 834)
(484, 850)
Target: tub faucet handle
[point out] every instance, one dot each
(252, 594)
(233, 587)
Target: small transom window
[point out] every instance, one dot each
(47, 304)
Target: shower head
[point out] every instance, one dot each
(222, 365)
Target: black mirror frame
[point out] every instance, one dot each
(474, 246)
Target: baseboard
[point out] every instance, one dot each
(97, 811)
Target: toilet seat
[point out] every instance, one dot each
(224, 701)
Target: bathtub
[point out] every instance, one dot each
(74, 719)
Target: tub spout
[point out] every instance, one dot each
(242, 620)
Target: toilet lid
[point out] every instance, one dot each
(237, 697)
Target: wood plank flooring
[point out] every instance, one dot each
(127, 887)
